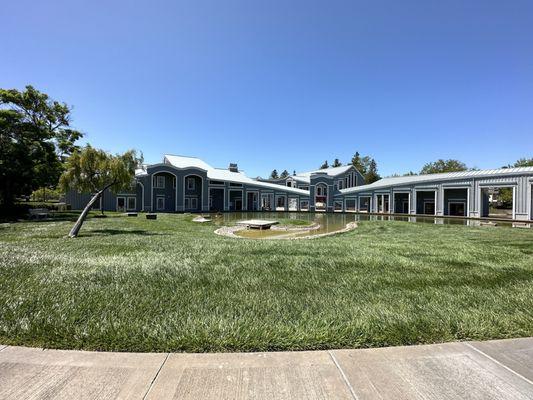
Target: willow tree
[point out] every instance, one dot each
(91, 170)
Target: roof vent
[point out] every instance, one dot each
(233, 167)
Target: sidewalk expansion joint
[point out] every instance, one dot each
(343, 375)
(155, 377)
(499, 363)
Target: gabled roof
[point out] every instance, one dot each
(333, 171)
(413, 179)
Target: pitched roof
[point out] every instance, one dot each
(223, 174)
(186, 162)
(333, 171)
(412, 179)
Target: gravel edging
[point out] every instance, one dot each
(229, 231)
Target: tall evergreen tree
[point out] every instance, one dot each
(284, 174)
(336, 163)
(372, 174)
(324, 165)
(274, 174)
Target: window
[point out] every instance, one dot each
(121, 204)
(289, 183)
(132, 203)
(160, 203)
(320, 190)
(191, 203)
(304, 205)
(293, 204)
(337, 205)
(174, 182)
(235, 184)
(216, 182)
(98, 204)
(191, 184)
(159, 182)
(280, 202)
(339, 185)
(304, 187)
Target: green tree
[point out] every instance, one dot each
(372, 173)
(94, 171)
(505, 195)
(441, 166)
(367, 166)
(284, 174)
(274, 174)
(293, 172)
(523, 162)
(336, 163)
(324, 165)
(35, 138)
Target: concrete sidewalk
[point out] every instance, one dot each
(501, 369)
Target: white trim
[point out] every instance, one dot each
(152, 190)
(201, 191)
(127, 203)
(116, 203)
(271, 199)
(157, 197)
(354, 199)
(142, 194)
(289, 203)
(456, 202)
(304, 201)
(285, 205)
(257, 201)
(156, 181)
(242, 199)
(217, 187)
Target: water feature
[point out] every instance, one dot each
(332, 222)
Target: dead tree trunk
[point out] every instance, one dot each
(81, 219)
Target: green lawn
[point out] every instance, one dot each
(173, 285)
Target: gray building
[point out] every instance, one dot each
(188, 184)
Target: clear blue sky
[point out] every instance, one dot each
(284, 84)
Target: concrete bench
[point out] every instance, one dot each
(39, 213)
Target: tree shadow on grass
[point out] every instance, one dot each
(113, 232)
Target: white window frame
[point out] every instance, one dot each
(125, 203)
(304, 188)
(99, 207)
(340, 184)
(337, 202)
(304, 205)
(158, 179)
(295, 201)
(189, 180)
(284, 202)
(463, 202)
(157, 203)
(128, 203)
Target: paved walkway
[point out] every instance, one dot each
(501, 369)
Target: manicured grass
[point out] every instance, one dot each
(130, 284)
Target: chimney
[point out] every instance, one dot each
(233, 167)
